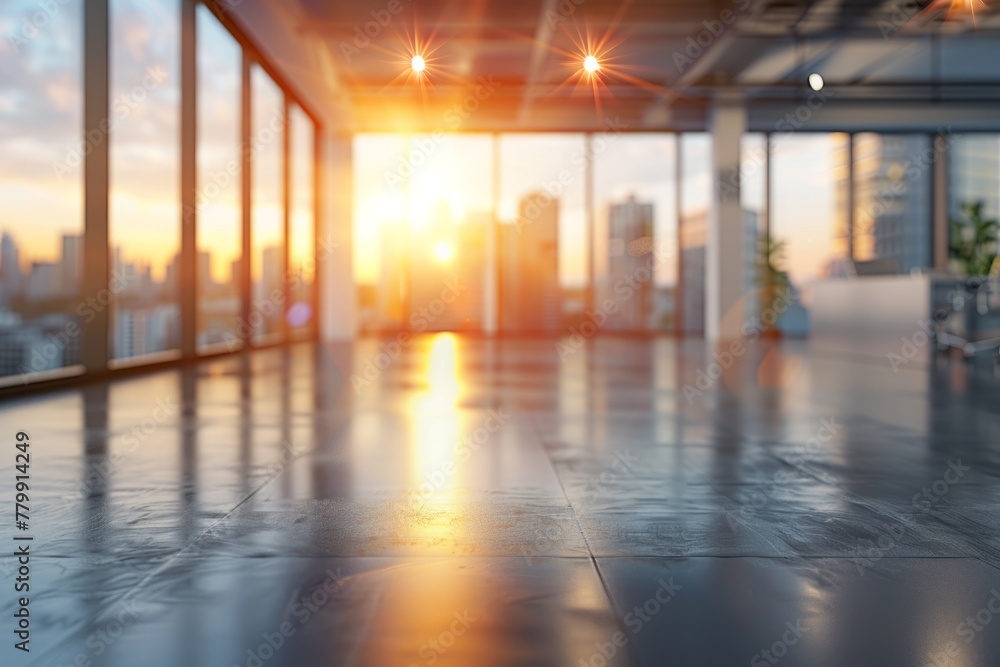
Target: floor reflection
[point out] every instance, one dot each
(500, 502)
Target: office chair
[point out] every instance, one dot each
(972, 311)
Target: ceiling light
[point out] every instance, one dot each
(816, 81)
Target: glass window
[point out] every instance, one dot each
(542, 236)
(267, 265)
(635, 209)
(753, 185)
(302, 227)
(41, 157)
(220, 226)
(379, 223)
(696, 201)
(450, 213)
(144, 224)
(974, 199)
(808, 196)
(893, 175)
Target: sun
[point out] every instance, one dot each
(443, 251)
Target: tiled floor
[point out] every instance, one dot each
(469, 502)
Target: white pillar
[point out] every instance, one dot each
(338, 291)
(724, 314)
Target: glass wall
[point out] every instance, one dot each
(892, 201)
(267, 264)
(808, 195)
(42, 312)
(974, 201)
(753, 202)
(299, 315)
(696, 200)
(144, 223)
(380, 229)
(45, 316)
(635, 231)
(219, 217)
(450, 195)
(542, 231)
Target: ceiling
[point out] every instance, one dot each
(516, 64)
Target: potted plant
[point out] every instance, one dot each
(772, 278)
(973, 241)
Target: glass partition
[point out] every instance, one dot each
(42, 147)
(144, 136)
(219, 216)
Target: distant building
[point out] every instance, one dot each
(694, 234)
(72, 264)
(974, 175)
(893, 208)
(44, 282)
(530, 294)
(630, 244)
(10, 267)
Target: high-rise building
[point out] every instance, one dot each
(392, 290)
(893, 209)
(44, 282)
(694, 232)
(72, 263)
(630, 247)
(10, 267)
(530, 294)
(974, 175)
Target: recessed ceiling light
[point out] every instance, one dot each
(816, 81)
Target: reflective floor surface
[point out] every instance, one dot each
(455, 501)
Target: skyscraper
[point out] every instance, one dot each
(10, 267)
(72, 263)
(530, 294)
(892, 219)
(630, 244)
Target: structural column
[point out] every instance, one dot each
(335, 268)
(96, 100)
(188, 293)
(724, 281)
